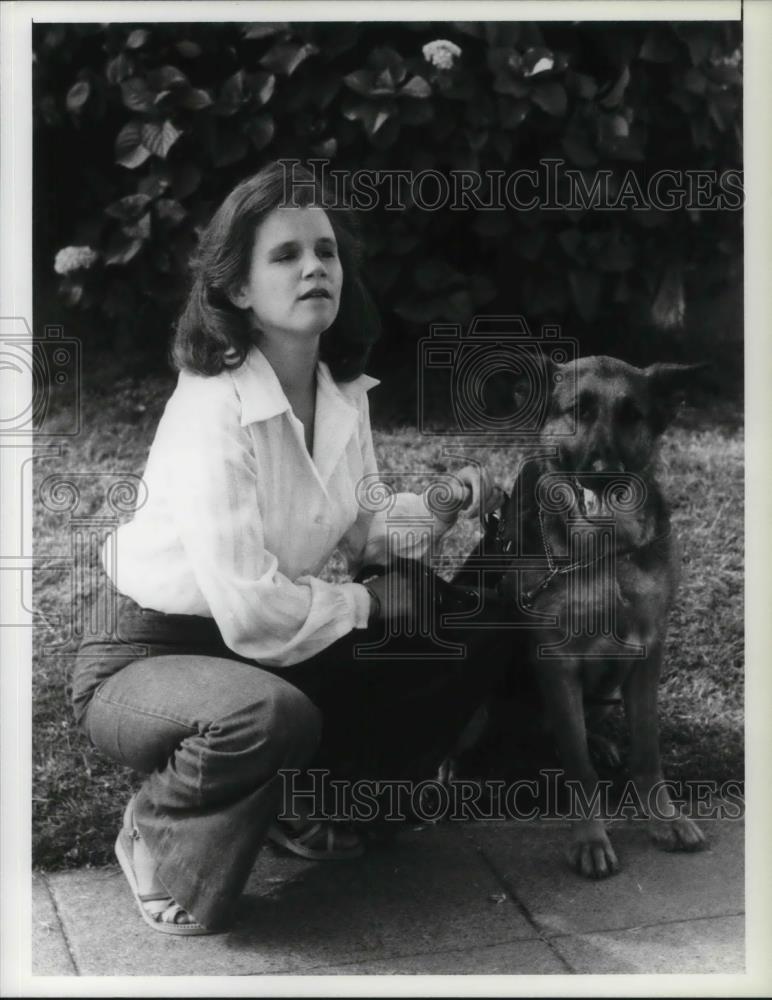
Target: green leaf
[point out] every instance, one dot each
(262, 86)
(285, 58)
(260, 130)
(362, 82)
(615, 95)
(550, 97)
(159, 137)
(187, 49)
(156, 183)
(167, 78)
(261, 29)
(196, 100)
(119, 69)
(137, 38)
(325, 91)
(121, 249)
(129, 150)
(658, 47)
(386, 58)
(416, 87)
(136, 94)
(327, 149)
(583, 84)
(77, 95)
(170, 211)
(130, 208)
(140, 229)
(373, 115)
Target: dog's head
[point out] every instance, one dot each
(605, 415)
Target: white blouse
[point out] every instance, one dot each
(239, 518)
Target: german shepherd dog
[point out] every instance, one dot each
(592, 578)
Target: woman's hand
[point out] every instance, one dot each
(471, 492)
(392, 597)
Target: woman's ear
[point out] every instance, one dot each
(238, 297)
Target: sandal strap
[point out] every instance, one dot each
(307, 835)
(151, 897)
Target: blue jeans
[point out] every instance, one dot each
(213, 732)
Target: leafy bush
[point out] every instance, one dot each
(140, 130)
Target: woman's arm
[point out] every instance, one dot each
(413, 524)
(212, 477)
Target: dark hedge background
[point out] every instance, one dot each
(140, 130)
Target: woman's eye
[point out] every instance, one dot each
(328, 253)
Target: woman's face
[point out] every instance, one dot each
(295, 277)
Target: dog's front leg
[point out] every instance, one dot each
(668, 828)
(590, 853)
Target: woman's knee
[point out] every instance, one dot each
(281, 726)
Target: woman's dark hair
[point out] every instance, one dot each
(213, 334)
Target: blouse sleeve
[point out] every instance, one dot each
(212, 476)
(402, 526)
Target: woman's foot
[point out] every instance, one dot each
(317, 841)
(157, 907)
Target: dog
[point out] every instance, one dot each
(592, 577)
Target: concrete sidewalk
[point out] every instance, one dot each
(479, 898)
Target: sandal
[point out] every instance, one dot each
(161, 918)
(318, 841)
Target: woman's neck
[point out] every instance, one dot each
(294, 363)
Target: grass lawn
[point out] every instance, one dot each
(78, 795)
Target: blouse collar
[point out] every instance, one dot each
(262, 396)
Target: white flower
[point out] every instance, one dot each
(544, 64)
(441, 53)
(73, 258)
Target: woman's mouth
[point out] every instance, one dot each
(316, 293)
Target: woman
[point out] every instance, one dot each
(232, 654)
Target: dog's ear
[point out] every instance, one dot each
(668, 386)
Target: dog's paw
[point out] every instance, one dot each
(591, 854)
(680, 834)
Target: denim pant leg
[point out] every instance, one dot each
(212, 734)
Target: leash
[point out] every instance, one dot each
(495, 530)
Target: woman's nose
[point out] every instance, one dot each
(313, 264)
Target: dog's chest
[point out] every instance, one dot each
(596, 593)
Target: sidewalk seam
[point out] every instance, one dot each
(420, 954)
(65, 936)
(640, 927)
(526, 913)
